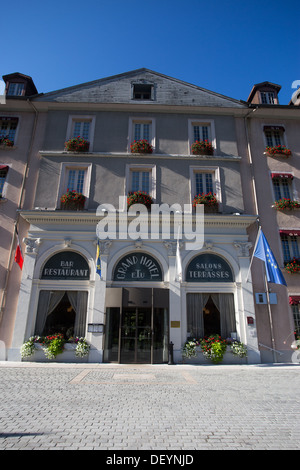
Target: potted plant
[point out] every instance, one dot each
(139, 197)
(6, 142)
(53, 345)
(141, 146)
(77, 144)
(202, 147)
(286, 203)
(213, 348)
(278, 151)
(209, 200)
(293, 267)
(72, 200)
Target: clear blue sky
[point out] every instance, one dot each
(223, 45)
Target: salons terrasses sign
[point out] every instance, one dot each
(209, 268)
(66, 265)
(138, 267)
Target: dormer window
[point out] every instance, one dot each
(15, 89)
(142, 91)
(267, 97)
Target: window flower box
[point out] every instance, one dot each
(215, 350)
(278, 151)
(202, 147)
(141, 146)
(209, 200)
(139, 197)
(55, 347)
(293, 267)
(286, 203)
(5, 142)
(73, 201)
(77, 144)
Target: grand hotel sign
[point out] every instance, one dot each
(137, 267)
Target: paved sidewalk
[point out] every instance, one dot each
(122, 407)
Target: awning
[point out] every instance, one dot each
(281, 175)
(291, 232)
(3, 167)
(294, 299)
(9, 118)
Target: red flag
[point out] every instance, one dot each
(18, 256)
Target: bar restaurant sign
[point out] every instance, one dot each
(137, 267)
(208, 268)
(66, 265)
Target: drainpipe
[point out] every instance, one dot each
(3, 299)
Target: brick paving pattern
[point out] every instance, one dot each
(106, 407)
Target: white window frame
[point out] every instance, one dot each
(215, 171)
(139, 167)
(5, 185)
(292, 190)
(81, 118)
(65, 167)
(201, 122)
(141, 120)
(13, 118)
(292, 249)
(269, 95)
(282, 135)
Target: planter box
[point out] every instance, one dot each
(228, 358)
(72, 206)
(68, 355)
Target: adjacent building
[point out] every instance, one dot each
(132, 283)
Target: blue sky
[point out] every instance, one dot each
(222, 45)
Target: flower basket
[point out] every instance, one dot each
(72, 200)
(6, 142)
(293, 267)
(209, 200)
(214, 348)
(202, 147)
(77, 144)
(278, 151)
(286, 203)
(139, 197)
(141, 146)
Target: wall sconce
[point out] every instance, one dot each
(95, 327)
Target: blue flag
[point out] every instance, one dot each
(264, 252)
(98, 260)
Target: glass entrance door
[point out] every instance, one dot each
(136, 335)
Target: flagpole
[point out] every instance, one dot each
(270, 316)
(256, 241)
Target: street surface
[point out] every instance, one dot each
(149, 407)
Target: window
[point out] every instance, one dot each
(83, 126)
(142, 91)
(3, 175)
(282, 187)
(201, 130)
(205, 180)
(75, 177)
(267, 97)
(141, 129)
(296, 315)
(274, 135)
(15, 89)
(8, 127)
(290, 247)
(141, 178)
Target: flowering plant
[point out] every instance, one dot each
(77, 144)
(238, 349)
(141, 146)
(27, 349)
(6, 141)
(202, 147)
(189, 349)
(72, 200)
(286, 203)
(278, 150)
(54, 345)
(82, 347)
(139, 197)
(208, 199)
(213, 348)
(293, 267)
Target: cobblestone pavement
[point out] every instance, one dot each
(121, 407)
